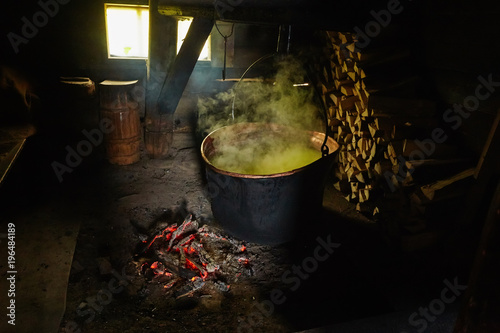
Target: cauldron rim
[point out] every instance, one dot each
(332, 144)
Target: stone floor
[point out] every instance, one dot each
(101, 212)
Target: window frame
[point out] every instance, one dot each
(123, 5)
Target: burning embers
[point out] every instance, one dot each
(185, 258)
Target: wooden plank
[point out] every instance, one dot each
(393, 106)
(327, 87)
(419, 241)
(12, 141)
(487, 168)
(162, 52)
(348, 103)
(490, 147)
(480, 308)
(382, 56)
(424, 123)
(7, 162)
(429, 149)
(399, 67)
(347, 89)
(336, 97)
(393, 84)
(184, 63)
(322, 15)
(443, 188)
(409, 131)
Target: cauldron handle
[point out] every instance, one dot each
(324, 147)
(243, 75)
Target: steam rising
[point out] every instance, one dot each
(275, 101)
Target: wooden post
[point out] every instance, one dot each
(184, 63)
(164, 96)
(158, 132)
(487, 167)
(481, 305)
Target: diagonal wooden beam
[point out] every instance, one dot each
(183, 65)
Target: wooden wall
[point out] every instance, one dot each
(73, 43)
(460, 41)
(454, 43)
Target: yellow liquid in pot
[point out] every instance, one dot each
(265, 160)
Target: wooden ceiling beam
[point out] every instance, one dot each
(340, 15)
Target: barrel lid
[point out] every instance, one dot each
(84, 81)
(117, 83)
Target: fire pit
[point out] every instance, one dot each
(259, 207)
(193, 254)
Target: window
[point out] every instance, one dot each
(127, 31)
(182, 29)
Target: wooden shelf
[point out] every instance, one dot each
(12, 140)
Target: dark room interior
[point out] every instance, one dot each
(250, 166)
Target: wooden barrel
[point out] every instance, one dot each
(158, 135)
(78, 107)
(116, 104)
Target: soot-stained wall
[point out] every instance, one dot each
(46, 39)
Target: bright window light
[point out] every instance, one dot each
(182, 29)
(127, 30)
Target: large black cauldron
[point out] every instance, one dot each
(266, 209)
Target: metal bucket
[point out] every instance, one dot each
(266, 209)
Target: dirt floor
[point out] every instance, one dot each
(342, 268)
